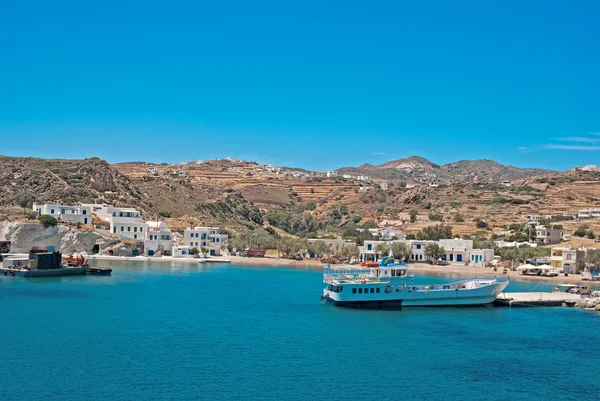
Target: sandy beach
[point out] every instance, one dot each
(417, 268)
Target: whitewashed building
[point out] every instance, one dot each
(533, 218)
(180, 251)
(159, 238)
(124, 222)
(211, 238)
(152, 170)
(68, 214)
(481, 257)
(457, 250)
(588, 213)
(332, 173)
(417, 250)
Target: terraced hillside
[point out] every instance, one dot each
(238, 194)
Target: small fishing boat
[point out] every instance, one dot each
(98, 271)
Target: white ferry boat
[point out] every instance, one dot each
(390, 286)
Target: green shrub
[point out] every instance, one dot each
(165, 214)
(455, 204)
(436, 217)
(47, 220)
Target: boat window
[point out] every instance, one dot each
(400, 288)
(360, 290)
(378, 290)
(354, 290)
(393, 273)
(372, 290)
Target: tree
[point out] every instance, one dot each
(435, 233)
(435, 252)
(350, 252)
(592, 259)
(413, 215)
(47, 220)
(319, 248)
(194, 251)
(24, 199)
(580, 232)
(204, 251)
(401, 250)
(590, 234)
(288, 246)
(254, 239)
(458, 218)
(382, 249)
(526, 252)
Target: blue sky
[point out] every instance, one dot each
(314, 84)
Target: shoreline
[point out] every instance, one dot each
(436, 270)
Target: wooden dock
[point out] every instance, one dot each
(529, 299)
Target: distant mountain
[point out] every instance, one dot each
(419, 169)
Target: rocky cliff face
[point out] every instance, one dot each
(24, 236)
(64, 181)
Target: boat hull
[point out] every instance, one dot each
(67, 271)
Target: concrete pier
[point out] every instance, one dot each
(525, 299)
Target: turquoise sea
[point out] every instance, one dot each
(162, 332)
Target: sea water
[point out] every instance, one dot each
(180, 332)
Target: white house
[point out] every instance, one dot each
(69, 214)
(159, 238)
(533, 218)
(388, 234)
(124, 222)
(457, 250)
(481, 257)
(506, 183)
(384, 186)
(588, 213)
(152, 170)
(332, 173)
(417, 250)
(374, 232)
(182, 174)
(179, 251)
(211, 238)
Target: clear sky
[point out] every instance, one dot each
(314, 84)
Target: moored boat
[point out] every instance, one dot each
(390, 286)
(98, 271)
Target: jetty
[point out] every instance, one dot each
(530, 299)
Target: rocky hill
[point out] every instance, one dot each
(420, 170)
(239, 195)
(64, 181)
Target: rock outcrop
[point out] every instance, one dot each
(24, 236)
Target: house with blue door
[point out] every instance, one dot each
(211, 238)
(457, 250)
(159, 239)
(481, 257)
